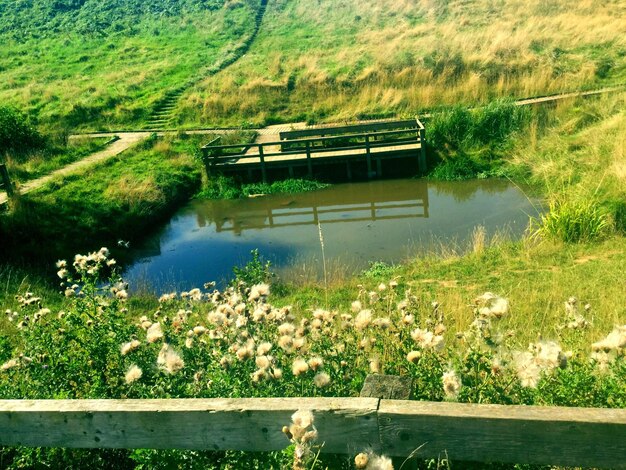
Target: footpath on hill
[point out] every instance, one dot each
(128, 139)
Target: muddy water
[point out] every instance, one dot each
(386, 221)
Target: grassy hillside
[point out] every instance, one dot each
(362, 58)
(91, 64)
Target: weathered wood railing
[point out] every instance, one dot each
(355, 145)
(462, 432)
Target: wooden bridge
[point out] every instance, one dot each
(362, 148)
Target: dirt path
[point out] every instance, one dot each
(123, 143)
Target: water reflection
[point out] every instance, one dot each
(355, 203)
(361, 222)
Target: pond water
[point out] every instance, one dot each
(388, 221)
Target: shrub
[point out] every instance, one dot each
(17, 135)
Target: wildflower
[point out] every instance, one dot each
(258, 291)
(62, 273)
(414, 356)
(361, 461)
(121, 295)
(226, 362)
(382, 287)
(167, 297)
(277, 373)
(133, 374)
(373, 296)
(154, 333)
(169, 360)
(285, 342)
(244, 353)
(302, 419)
(356, 306)
(262, 362)
(528, 371)
(299, 367)
(298, 343)
(408, 319)
(382, 323)
(199, 330)
(393, 284)
(315, 363)
(111, 262)
(614, 341)
(130, 346)
(10, 364)
(258, 375)
(375, 365)
(61, 263)
(321, 380)
(263, 349)
(189, 343)
(195, 294)
(363, 319)
(451, 385)
(491, 305)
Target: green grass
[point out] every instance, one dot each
(54, 156)
(121, 198)
(222, 187)
(106, 66)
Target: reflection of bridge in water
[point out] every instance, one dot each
(348, 203)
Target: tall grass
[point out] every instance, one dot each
(573, 222)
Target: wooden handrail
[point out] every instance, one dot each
(463, 432)
(316, 139)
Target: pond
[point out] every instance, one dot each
(359, 223)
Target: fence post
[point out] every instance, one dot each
(422, 156)
(262, 157)
(6, 181)
(368, 157)
(309, 163)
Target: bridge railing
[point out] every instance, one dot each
(316, 147)
(462, 432)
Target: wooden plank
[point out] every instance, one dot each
(353, 128)
(515, 434)
(214, 424)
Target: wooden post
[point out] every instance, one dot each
(309, 163)
(422, 157)
(6, 181)
(262, 157)
(368, 156)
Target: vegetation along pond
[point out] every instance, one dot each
(360, 223)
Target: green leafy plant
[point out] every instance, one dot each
(573, 222)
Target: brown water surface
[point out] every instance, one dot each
(388, 221)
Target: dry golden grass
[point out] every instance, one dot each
(358, 58)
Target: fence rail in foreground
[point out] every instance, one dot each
(517, 434)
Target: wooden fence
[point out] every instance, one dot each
(369, 142)
(461, 432)
(5, 181)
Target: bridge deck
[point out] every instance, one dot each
(370, 143)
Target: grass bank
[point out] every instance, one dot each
(368, 59)
(120, 199)
(456, 342)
